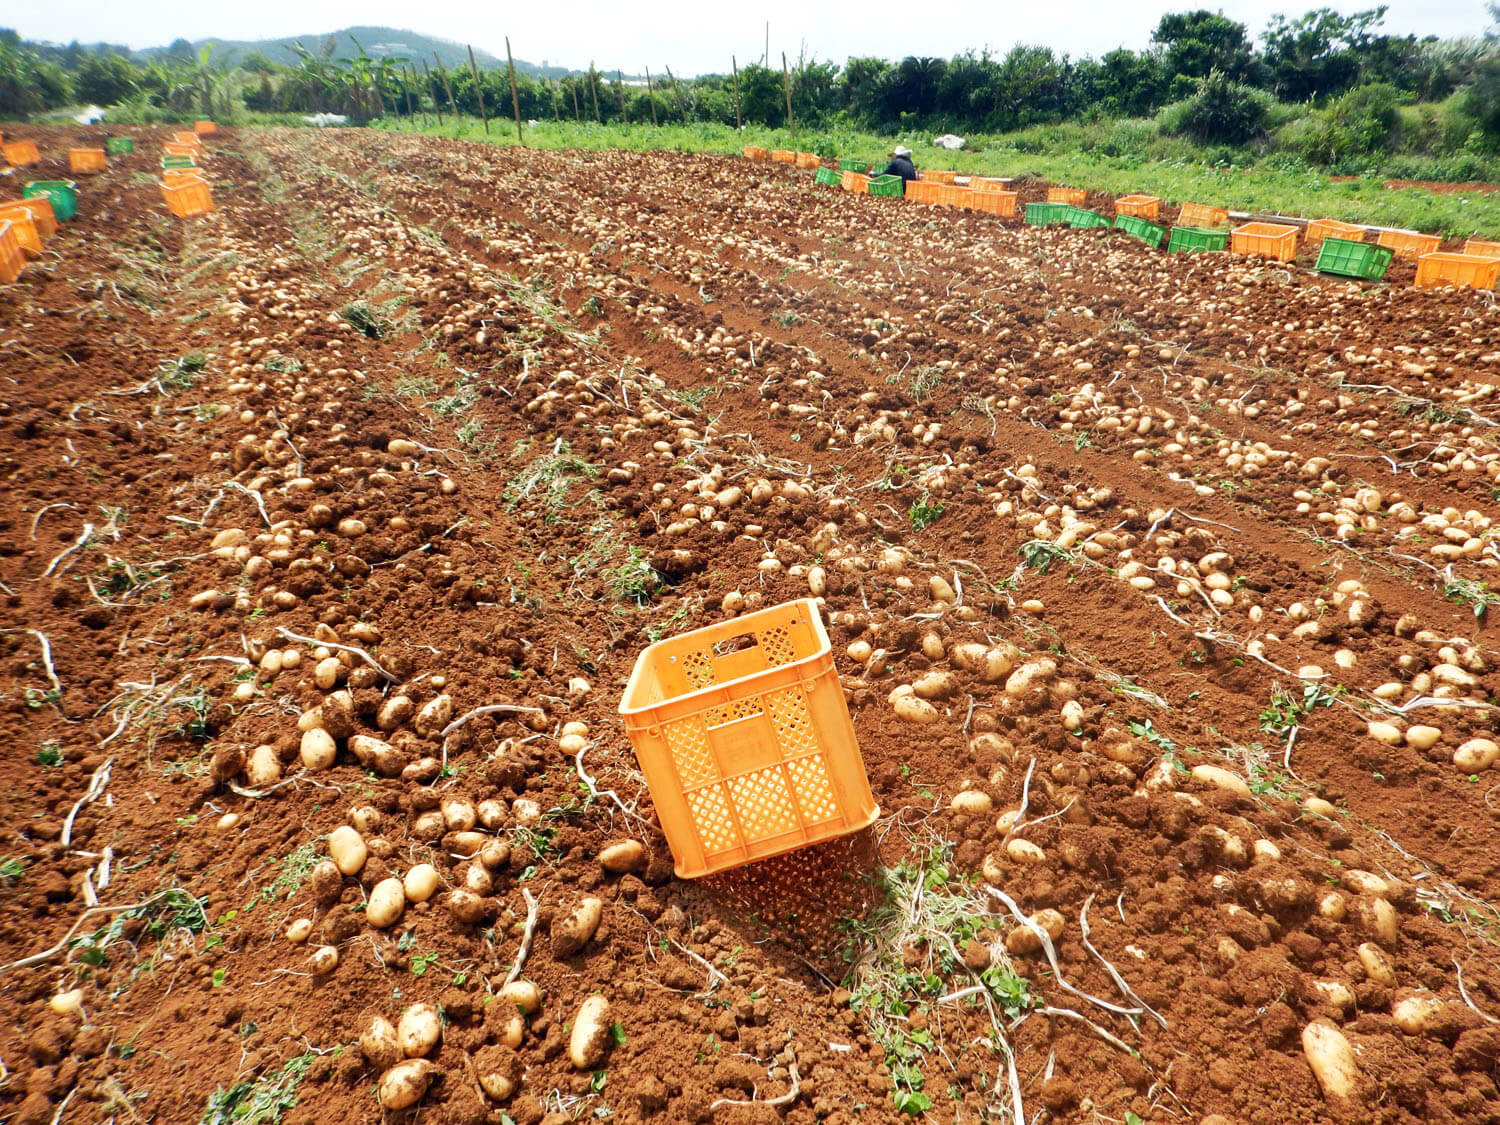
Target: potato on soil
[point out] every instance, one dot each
(387, 903)
(318, 749)
(1331, 1059)
(323, 960)
(590, 1037)
(421, 882)
(623, 857)
(525, 995)
(347, 849)
(404, 1084)
(379, 1044)
(573, 932)
(418, 1030)
(499, 1072)
(326, 882)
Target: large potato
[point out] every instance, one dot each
(405, 1083)
(1331, 1059)
(379, 1044)
(590, 1037)
(419, 1030)
(387, 903)
(347, 850)
(572, 933)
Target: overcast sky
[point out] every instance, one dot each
(675, 33)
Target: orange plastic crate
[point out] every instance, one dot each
(11, 258)
(856, 182)
(1201, 215)
(808, 160)
(86, 160)
(924, 191)
(1271, 240)
(742, 733)
(188, 197)
(939, 177)
(1141, 206)
(187, 138)
(979, 183)
(755, 152)
(1319, 229)
(1072, 196)
(1002, 203)
(205, 128)
(175, 176)
(24, 227)
(20, 153)
(1463, 270)
(1409, 244)
(783, 156)
(40, 209)
(1478, 247)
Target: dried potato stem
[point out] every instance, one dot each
(359, 652)
(83, 537)
(781, 1099)
(532, 903)
(1125, 989)
(98, 783)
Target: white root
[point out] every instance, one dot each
(250, 492)
(98, 783)
(1464, 992)
(1112, 1040)
(62, 944)
(487, 709)
(781, 1099)
(1051, 952)
(596, 792)
(1114, 974)
(359, 652)
(83, 537)
(532, 903)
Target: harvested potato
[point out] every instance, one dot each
(1331, 1059)
(590, 1037)
(347, 849)
(323, 960)
(421, 883)
(525, 995)
(499, 1072)
(404, 1084)
(572, 933)
(379, 1044)
(974, 802)
(1412, 1013)
(318, 749)
(623, 857)
(387, 903)
(419, 1030)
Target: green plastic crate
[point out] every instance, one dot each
(62, 193)
(1041, 214)
(1082, 218)
(1147, 232)
(891, 186)
(178, 162)
(115, 146)
(1197, 238)
(1353, 259)
(853, 166)
(828, 176)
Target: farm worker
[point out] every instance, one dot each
(901, 164)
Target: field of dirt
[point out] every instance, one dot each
(333, 524)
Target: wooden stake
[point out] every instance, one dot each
(479, 90)
(594, 93)
(620, 86)
(552, 89)
(443, 74)
(576, 115)
(515, 101)
(735, 63)
(651, 93)
(681, 106)
(406, 85)
(786, 84)
(436, 107)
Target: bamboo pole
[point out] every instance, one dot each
(576, 115)
(594, 93)
(677, 90)
(620, 86)
(447, 89)
(406, 86)
(552, 90)
(515, 101)
(479, 89)
(736, 65)
(786, 84)
(651, 93)
(437, 108)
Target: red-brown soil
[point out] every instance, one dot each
(467, 410)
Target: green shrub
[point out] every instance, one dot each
(1219, 112)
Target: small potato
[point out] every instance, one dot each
(379, 1044)
(1381, 920)
(526, 811)
(915, 710)
(421, 883)
(973, 802)
(1024, 851)
(491, 814)
(935, 685)
(1476, 754)
(458, 814)
(433, 716)
(1376, 965)
(366, 819)
(1336, 994)
(590, 1037)
(326, 882)
(513, 1034)
(387, 903)
(466, 907)
(478, 880)
(1363, 882)
(1388, 733)
(1023, 939)
(68, 1003)
(347, 849)
(404, 1084)
(495, 854)
(525, 995)
(327, 673)
(1333, 907)
(1331, 1059)
(299, 930)
(323, 960)
(499, 1072)
(623, 857)
(1224, 779)
(263, 768)
(1423, 737)
(572, 933)
(1412, 1013)
(419, 1030)
(318, 749)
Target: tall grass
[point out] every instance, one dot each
(1115, 157)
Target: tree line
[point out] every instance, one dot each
(1204, 76)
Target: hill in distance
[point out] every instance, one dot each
(378, 42)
